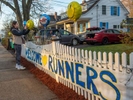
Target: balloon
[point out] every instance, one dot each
(30, 24)
(44, 19)
(74, 11)
(24, 23)
(9, 33)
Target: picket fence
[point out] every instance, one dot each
(96, 75)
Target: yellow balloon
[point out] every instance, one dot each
(9, 33)
(30, 24)
(74, 11)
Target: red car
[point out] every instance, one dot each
(104, 36)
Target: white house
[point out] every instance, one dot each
(96, 13)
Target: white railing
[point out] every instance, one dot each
(95, 75)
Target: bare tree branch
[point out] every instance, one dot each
(8, 4)
(24, 9)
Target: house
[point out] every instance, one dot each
(95, 13)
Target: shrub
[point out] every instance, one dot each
(128, 38)
(5, 42)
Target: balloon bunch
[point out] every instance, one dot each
(29, 24)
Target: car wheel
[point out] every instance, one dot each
(74, 42)
(105, 41)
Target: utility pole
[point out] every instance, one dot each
(97, 14)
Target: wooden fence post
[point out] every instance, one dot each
(54, 55)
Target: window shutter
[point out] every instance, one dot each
(107, 25)
(101, 24)
(112, 10)
(118, 11)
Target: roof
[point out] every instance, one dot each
(52, 18)
(123, 5)
(91, 6)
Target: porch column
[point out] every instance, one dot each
(56, 26)
(75, 27)
(64, 26)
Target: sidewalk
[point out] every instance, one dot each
(20, 85)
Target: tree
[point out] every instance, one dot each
(129, 5)
(24, 9)
(7, 26)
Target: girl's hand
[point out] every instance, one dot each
(25, 27)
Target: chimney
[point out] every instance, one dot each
(55, 16)
(83, 1)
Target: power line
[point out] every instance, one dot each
(59, 5)
(59, 2)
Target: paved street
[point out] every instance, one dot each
(20, 85)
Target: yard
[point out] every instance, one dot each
(111, 48)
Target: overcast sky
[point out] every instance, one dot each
(58, 6)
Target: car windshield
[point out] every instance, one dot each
(64, 32)
(116, 32)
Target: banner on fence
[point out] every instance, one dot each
(101, 82)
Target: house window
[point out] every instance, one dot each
(78, 27)
(115, 11)
(84, 7)
(118, 26)
(104, 25)
(104, 9)
(86, 25)
(81, 27)
(114, 26)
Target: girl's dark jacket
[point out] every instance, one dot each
(17, 35)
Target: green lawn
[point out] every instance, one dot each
(112, 48)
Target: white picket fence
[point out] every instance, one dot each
(99, 61)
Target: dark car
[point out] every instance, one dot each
(104, 36)
(64, 36)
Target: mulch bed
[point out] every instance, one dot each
(63, 92)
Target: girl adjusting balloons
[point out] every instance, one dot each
(18, 40)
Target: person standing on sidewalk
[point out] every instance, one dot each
(18, 41)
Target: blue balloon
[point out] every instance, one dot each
(44, 19)
(24, 23)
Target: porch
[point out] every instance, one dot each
(74, 27)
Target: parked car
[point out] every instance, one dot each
(64, 36)
(104, 36)
(83, 36)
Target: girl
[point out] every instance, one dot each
(18, 40)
